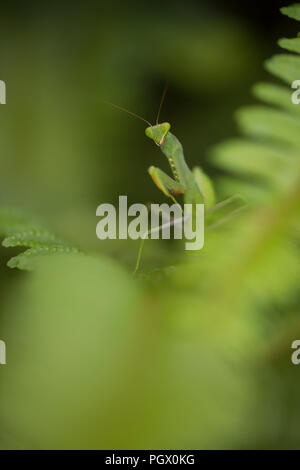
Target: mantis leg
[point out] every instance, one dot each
(165, 183)
(153, 230)
(224, 210)
(169, 187)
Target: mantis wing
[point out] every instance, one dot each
(206, 187)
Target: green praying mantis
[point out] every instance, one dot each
(194, 185)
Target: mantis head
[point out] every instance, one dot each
(158, 132)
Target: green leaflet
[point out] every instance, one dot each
(270, 124)
(293, 11)
(284, 66)
(277, 95)
(245, 157)
(290, 44)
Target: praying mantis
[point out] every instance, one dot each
(195, 186)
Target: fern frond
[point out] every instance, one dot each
(21, 230)
(269, 162)
(258, 261)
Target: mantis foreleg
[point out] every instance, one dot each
(165, 183)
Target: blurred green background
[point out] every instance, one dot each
(195, 354)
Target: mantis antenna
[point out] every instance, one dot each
(129, 112)
(161, 101)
